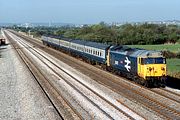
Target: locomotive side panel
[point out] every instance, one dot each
(123, 62)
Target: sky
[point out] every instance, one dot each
(88, 11)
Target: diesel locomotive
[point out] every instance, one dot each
(145, 67)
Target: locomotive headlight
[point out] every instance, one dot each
(150, 68)
(162, 68)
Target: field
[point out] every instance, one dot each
(170, 47)
(173, 65)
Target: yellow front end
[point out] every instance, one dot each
(155, 70)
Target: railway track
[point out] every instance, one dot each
(52, 93)
(26, 62)
(166, 93)
(54, 67)
(141, 95)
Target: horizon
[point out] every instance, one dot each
(87, 23)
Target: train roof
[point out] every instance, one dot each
(57, 37)
(149, 53)
(97, 45)
(91, 44)
(134, 52)
(53, 36)
(81, 42)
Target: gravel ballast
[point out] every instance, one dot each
(21, 98)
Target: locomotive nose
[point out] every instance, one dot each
(156, 70)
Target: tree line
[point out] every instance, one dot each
(127, 34)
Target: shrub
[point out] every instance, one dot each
(169, 54)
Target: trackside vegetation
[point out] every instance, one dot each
(127, 34)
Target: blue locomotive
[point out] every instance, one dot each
(142, 66)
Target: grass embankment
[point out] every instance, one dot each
(169, 47)
(173, 65)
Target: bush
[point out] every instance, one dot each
(169, 54)
(178, 55)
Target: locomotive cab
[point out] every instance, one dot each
(152, 68)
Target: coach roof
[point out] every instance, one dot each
(58, 37)
(80, 42)
(91, 44)
(97, 45)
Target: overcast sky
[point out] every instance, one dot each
(88, 11)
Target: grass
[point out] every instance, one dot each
(173, 65)
(170, 47)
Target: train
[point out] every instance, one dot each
(145, 67)
(2, 41)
